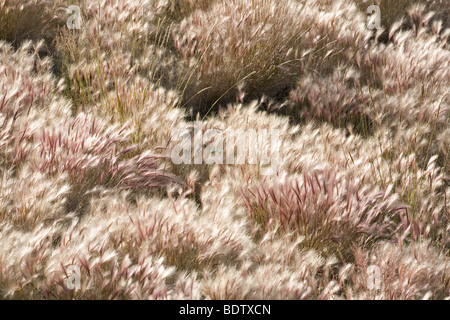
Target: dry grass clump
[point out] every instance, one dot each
(41, 138)
(413, 272)
(253, 39)
(391, 11)
(28, 20)
(377, 77)
(411, 14)
(89, 119)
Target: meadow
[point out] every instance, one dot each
(92, 206)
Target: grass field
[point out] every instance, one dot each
(93, 205)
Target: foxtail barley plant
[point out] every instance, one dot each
(93, 207)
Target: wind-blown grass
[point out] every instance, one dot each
(87, 120)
